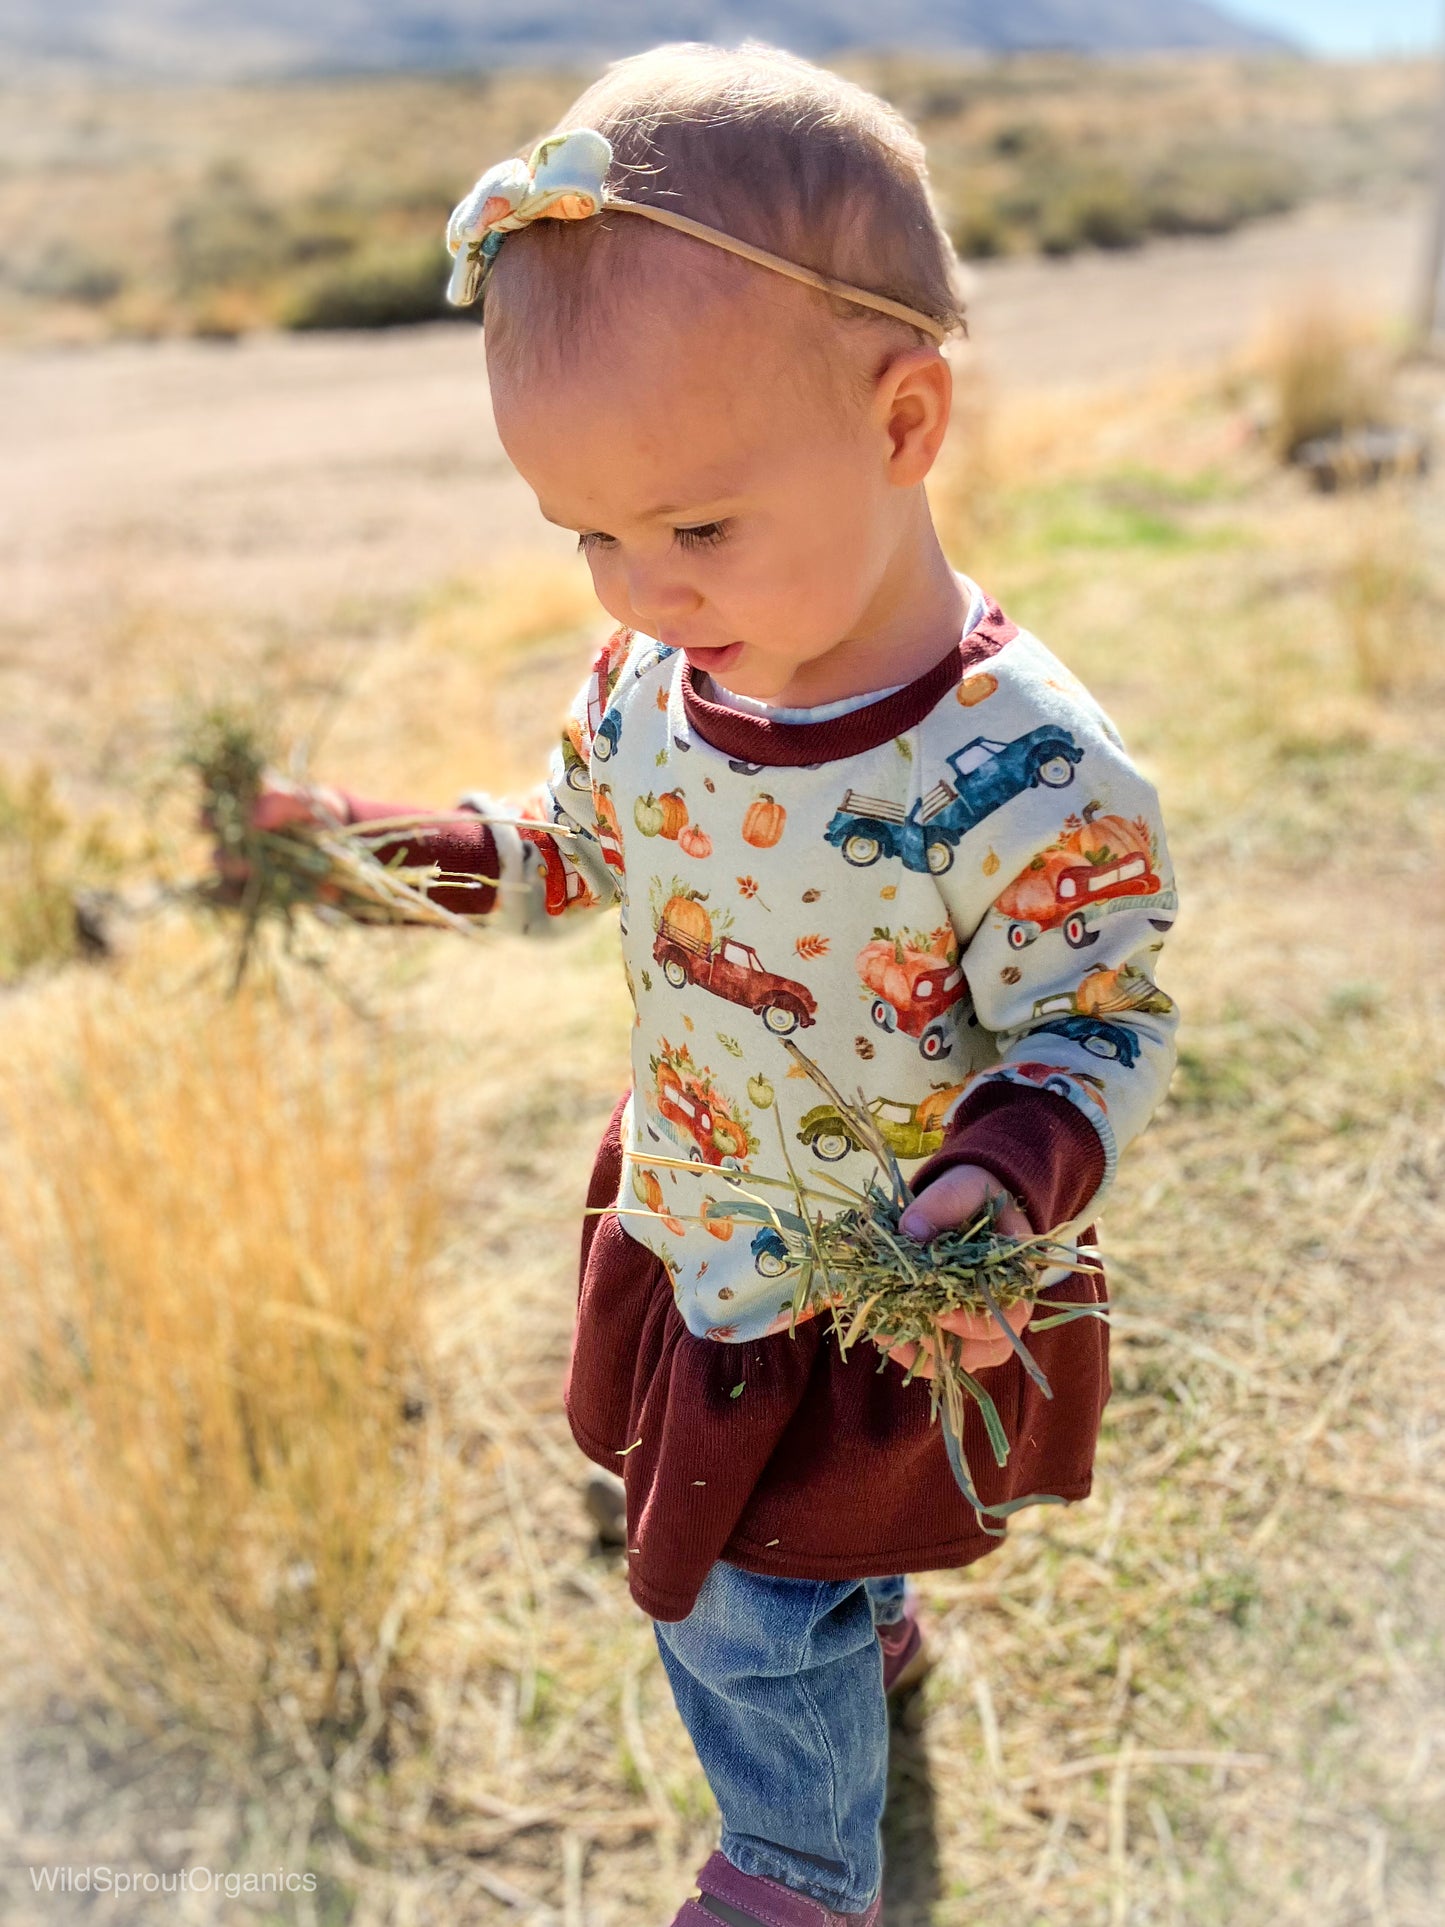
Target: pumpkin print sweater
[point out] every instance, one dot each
(950, 900)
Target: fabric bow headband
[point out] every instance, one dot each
(563, 181)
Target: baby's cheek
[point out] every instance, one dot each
(609, 586)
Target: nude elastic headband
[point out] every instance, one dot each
(563, 181)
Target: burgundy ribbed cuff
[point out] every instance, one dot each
(461, 846)
(1037, 1143)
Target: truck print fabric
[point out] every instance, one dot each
(977, 895)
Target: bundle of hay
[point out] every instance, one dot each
(878, 1283)
(325, 866)
(858, 1267)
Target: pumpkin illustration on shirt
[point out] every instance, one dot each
(763, 823)
(711, 1127)
(1093, 868)
(915, 980)
(693, 946)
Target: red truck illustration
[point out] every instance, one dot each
(609, 829)
(1084, 877)
(697, 1114)
(581, 734)
(691, 953)
(564, 884)
(916, 980)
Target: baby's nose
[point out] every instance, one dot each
(659, 594)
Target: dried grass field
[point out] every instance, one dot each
(293, 1566)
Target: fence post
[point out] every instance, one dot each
(1429, 318)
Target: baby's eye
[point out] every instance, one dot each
(591, 539)
(703, 536)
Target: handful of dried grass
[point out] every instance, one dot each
(326, 866)
(880, 1284)
(857, 1266)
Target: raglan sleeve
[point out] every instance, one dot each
(525, 863)
(1060, 965)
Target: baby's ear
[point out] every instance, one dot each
(913, 399)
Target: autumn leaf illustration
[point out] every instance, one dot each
(660, 758)
(812, 946)
(687, 1023)
(661, 699)
(888, 892)
(730, 1044)
(990, 864)
(647, 980)
(904, 748)
(748, 887)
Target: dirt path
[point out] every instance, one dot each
(286, 478)
(1102, 318)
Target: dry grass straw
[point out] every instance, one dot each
(222, 1499)
(46, 861)
(1326, 374)
(1387, 603)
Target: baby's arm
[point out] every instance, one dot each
(1086, 1036)
(523, 862)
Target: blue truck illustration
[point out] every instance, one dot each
(771, 1255)
(604, 743)
(987, 774)
(1102, 1039)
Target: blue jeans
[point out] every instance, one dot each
(779, 1682)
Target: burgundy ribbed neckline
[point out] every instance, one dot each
(758, 739)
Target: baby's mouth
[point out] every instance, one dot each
(713, 660)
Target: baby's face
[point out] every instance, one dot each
(736, 496)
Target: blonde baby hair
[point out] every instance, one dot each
(759, 145)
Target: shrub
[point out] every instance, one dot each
(226, 233)
(379, 287)
(71, 274)
(46, 860)
(980, 232)
(1325, 378)
(1104, 210)
(1213, 192)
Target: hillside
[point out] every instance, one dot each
(320, 203)
(216, 38)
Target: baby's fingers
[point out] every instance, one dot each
(957, 1198)
(284, 807)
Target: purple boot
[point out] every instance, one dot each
(748, 1900)
(905, 1650)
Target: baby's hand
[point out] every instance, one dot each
(957, 1198)
(284, 805)
(281, 805)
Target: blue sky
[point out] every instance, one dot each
(1350, 26)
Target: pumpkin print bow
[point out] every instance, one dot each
(560, 181)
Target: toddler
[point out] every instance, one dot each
(839, 798)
